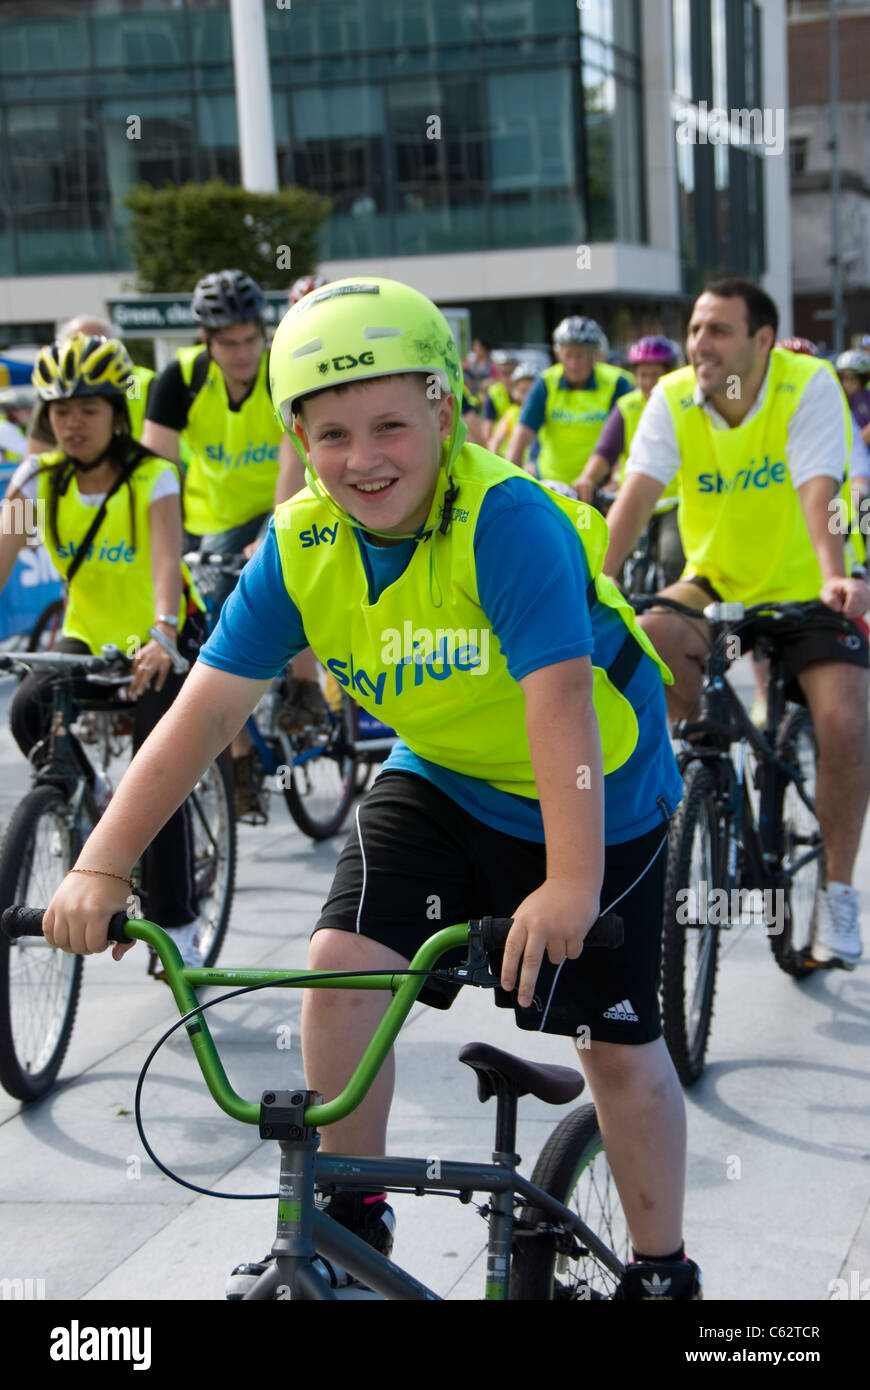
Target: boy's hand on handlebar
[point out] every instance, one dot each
(848, 597)
(552, 921)
(77, 918)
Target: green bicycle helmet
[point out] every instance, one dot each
(355, 330)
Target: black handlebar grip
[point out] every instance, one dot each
(27, 921)
(607, 932)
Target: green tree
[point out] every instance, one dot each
(182, 231)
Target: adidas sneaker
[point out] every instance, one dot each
(660, 1281)
(374, 1221)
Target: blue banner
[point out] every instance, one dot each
(33, 583)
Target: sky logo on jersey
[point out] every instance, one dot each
(319, 535)
(563, 416)
(438, 665)
(244, 458)
(122, 553)
(745, 478)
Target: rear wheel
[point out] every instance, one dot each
(690, 941)
(47, 628)
(39, 985)
(573, 1168)
(791, 933)
(320, 784)
(212, 813)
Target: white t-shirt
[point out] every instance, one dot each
(816, 434)
(23, 480)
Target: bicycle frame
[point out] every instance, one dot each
(724, 721)
(292, 1119)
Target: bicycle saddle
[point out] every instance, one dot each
(556, 1085)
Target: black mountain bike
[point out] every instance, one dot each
(39, 986)
(745, 837)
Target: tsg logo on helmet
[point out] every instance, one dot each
(346, 361)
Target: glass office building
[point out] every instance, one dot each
(436, 127)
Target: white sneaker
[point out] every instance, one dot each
(187, 941)
(837, 939)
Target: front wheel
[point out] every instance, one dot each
(211, 809)
(551, 1264)
(39, 985)
(690, 939)
(803, 859)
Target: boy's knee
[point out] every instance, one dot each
(331, 949)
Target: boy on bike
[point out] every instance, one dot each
(534, 777)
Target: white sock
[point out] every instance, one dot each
(841, 890)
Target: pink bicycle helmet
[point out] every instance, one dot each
(304, 285)
(802, 345)
(654, 349)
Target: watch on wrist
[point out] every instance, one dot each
(170, 619)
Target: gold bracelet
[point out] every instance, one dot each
(105, 873)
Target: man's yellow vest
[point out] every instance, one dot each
(423, 657)
(137, 399)
(573, 421)
(740, 515)
(111, 597)
(631, 407)
(500, 396)
(232, 475)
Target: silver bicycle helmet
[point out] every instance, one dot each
(854, 361)
(580, 331)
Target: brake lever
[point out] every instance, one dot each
(475, 969)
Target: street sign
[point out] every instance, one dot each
(163, 315)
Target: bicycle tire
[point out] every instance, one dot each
(686, 1020)
(798, 827)
(47, 628)
(213, 823)
(35, 977)
(573, 1168)
(320, 791)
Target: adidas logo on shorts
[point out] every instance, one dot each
(621, 1013)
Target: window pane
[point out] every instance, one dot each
(408, 22)
(681, 13)
(337, 151)
(56, 189)
(43, 45)
(437, 142)
(218, 137)
(140, 41)
(533, 160)
(163, 154)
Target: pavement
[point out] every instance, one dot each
(778, 1150)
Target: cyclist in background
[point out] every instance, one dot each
(569, 403)
(216, 396)
(16, 404)
(114, 532)
(141, 382)
(522, 380)
(649, 359)
(853, 369)
(498, 396)
(759, 467)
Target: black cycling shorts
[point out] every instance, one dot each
(821, 635)
(416, 861)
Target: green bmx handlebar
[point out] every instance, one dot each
(405, 986)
